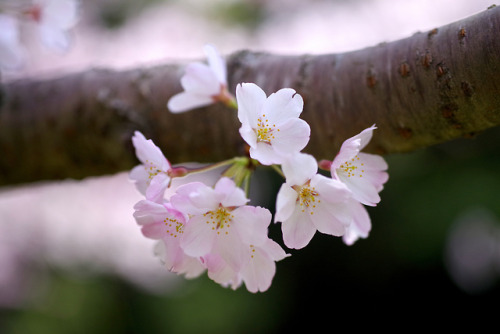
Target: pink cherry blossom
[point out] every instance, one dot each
(308, 202)
(203, 84)
(151, 177)
(271, 125)
(364, 174)
(230, 236)
(161, 222)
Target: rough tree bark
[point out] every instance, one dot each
(423, 90)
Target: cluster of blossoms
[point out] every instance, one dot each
(201, 216)
(51, 19)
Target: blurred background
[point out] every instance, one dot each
(72, 259)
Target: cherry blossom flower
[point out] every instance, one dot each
(226, 233)
(11, 51)
(203, 84)
(151, 177)
(271, 125)
(364, 174)
(308, 202)
(161, 222)
(54, 19)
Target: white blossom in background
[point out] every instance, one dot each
(11, 50)
(203, 84)
(54, 19)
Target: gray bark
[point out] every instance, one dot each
(426, 89)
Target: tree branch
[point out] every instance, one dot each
(426, 89)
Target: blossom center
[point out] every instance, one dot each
(220, 219)
(307, 198)
(265, 131)
(174, 227)
(151, 169)
(352, 168)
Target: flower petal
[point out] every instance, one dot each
(185, 101)
(201, 80)
(285, 203)
(250, 99)
(298, 230)
(283, 105)
(299, 168)
(216, 63)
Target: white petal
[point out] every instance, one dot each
(285, 203)
(252, 223)
(216, 63)
(265, 154)
(298, 230)
(250, 99)
(292, 137)
(232, 195)
(186, 101)
(198, 238)
(201, 80)
(283, 105)
(299, 168)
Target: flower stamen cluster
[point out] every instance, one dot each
(206, 224)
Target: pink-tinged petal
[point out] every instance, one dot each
(292, 137)
(216, 63)
(330, 218)
(349, 149)
(220, 272)
(274, 250)
(251, 223)
(186, 101)
(232, 195)
(285, 203)
(299, 168)
(230, 248)
(365, 136)
(182, 200)
(148, 212)
(298, 230)
(199, 79)
(157, 187)
(249, 136)
(259, 272)
(283, 105)
(265, 154)
(207, 177)
(361, 225)
(148, 153)
(198, 238)
(154, 231)
(332, 190)
(139, 175)
(176, 261)
(250, 99)
(206, 199)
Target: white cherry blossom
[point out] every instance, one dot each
(271, 125)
